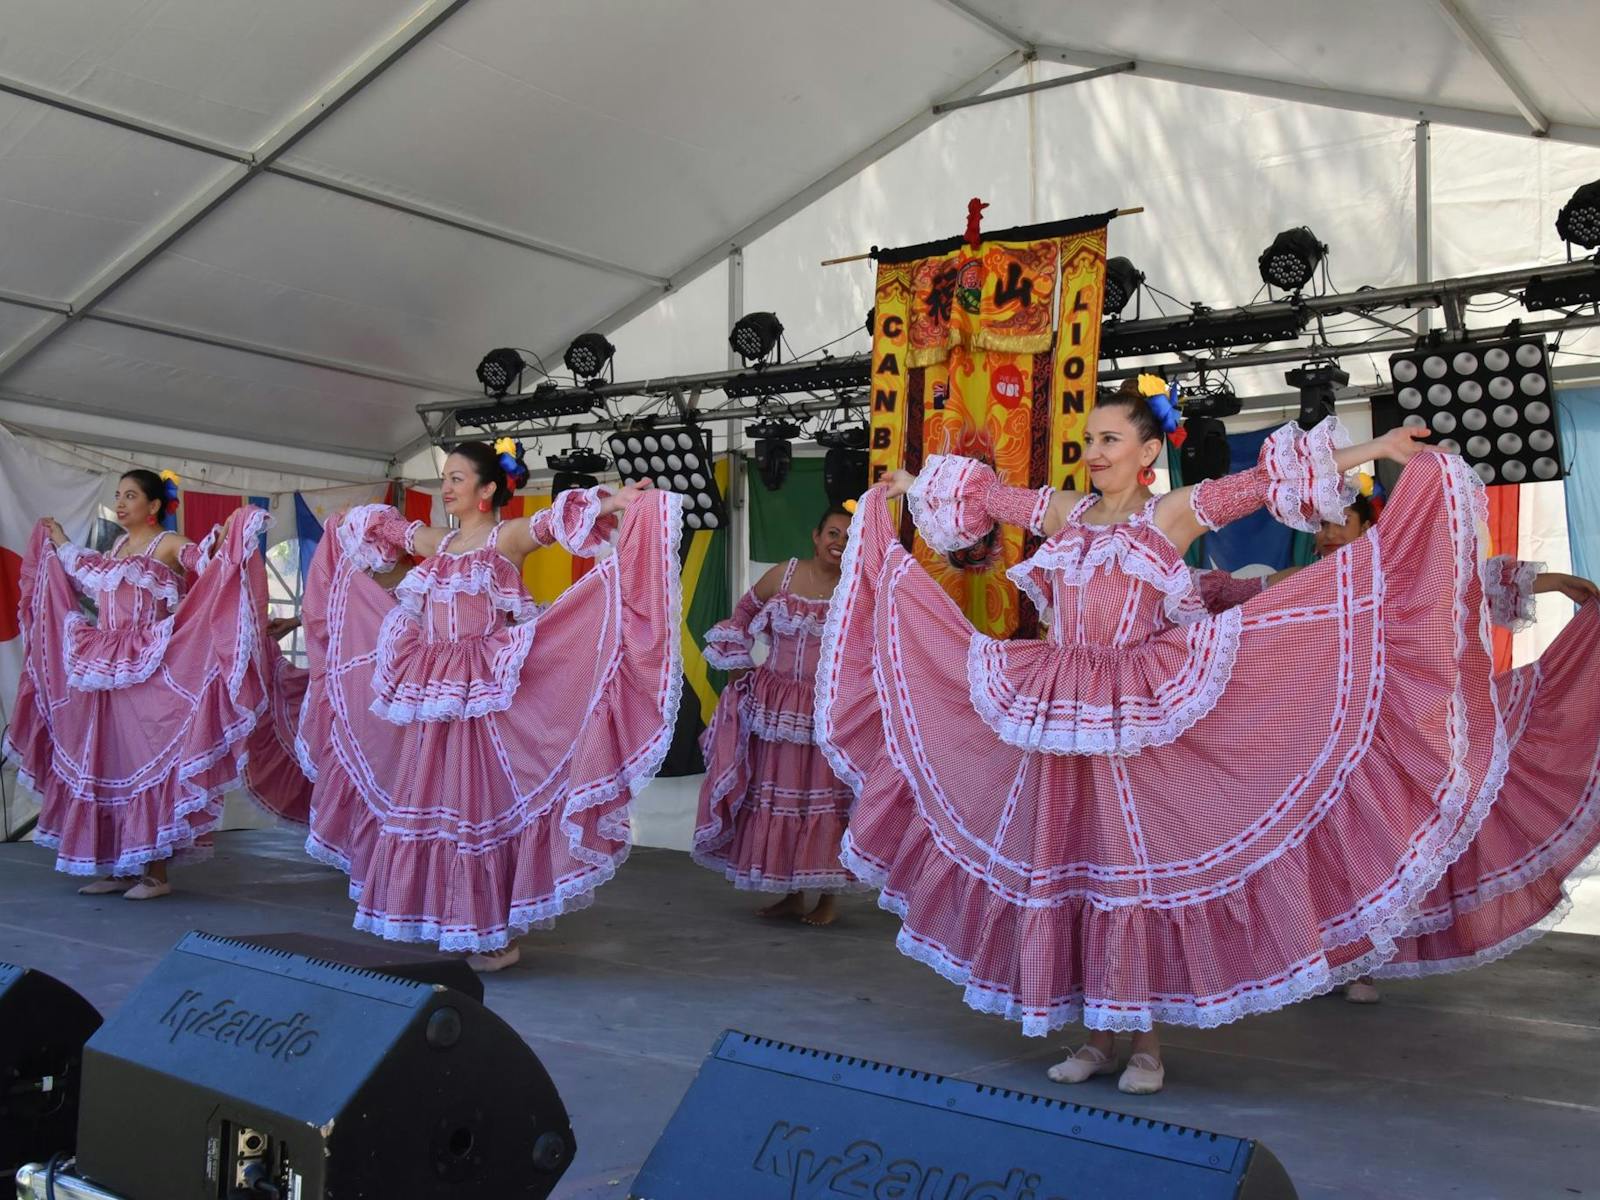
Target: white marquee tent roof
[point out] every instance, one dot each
(267, 232)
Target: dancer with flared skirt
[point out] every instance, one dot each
(473, 757)
(1165, 813)
(132, 725)
(772, 812)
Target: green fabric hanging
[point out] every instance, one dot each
(781, 522)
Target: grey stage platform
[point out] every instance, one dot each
(1469, 1087)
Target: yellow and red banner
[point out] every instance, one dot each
(1077, 356)
(990, 352)
(891, 333)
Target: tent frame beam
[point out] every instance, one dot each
(343, 366)
(440, 216)
(718, 254)
(89, 426)
(1364, 102)
(1027, 89)
(1462, 23)
(989, 25)
(216, 193)
(320, 179)
(122, 120)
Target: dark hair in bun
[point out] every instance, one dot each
(487, 465)
(1140, 415)
(155, 489)
(833, 510)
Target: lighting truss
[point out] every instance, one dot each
(1203, 329)
(835, 384)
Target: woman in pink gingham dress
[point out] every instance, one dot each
(772, 811)
(1164, 813)
(132, 727)
(472, 756)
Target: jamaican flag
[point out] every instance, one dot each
(707, 599)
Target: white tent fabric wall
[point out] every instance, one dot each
(1218, 173)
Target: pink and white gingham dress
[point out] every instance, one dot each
(1175, 811)
(132, 726)
(473, 757)
(273, 778)
(772, 812)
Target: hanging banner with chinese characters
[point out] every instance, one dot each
(971, 353)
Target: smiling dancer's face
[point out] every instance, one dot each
(1113, 449)
(828, 542)
(462, 489)
(133, 508)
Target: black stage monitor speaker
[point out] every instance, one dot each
(768, 1121)
(43, 1026)
(370, 954)
(237, 1073)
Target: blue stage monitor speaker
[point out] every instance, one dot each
(240, 1073)
(768, 1121)
(43, 1026)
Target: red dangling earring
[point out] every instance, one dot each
(483, 506)
(153, 519)
(1147, 475)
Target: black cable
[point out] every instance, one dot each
(851, 332)
(543, 370)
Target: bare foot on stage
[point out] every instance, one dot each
(792, 905)
(824, 914)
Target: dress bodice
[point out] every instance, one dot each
(453, 645)
(459, 596)
(1109, 586)
(129, 592)
(792, 626)
(136, 598)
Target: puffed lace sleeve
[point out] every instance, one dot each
(1508, 587)
(575, 524)
(956, 501)
(1295, 478)
(374, 536)
(197, 556)
(729, 643)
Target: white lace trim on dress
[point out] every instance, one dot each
(1131, 723)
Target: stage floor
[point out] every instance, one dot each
(1475, 1086)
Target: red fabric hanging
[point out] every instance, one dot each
(1504, 507)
